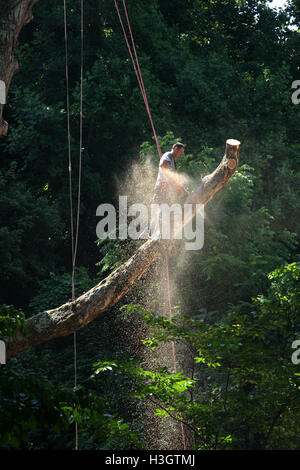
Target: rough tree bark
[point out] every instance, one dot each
(14, 14)
(73, 316)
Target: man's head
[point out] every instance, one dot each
(177, 149)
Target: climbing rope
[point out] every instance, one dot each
(136, 66)
(74, 240)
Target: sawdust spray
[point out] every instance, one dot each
(151, 293)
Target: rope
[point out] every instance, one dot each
(69, 133)
(80, 136)
(74, 243)
(136, 66)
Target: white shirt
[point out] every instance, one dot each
(166, 157)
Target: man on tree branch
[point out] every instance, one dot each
(167, 179)
(168, 186)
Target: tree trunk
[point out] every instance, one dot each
(73, 316)
(14, 14)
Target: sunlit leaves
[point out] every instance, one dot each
(11, 319)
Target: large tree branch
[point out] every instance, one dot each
(14, 14)
(73, 316)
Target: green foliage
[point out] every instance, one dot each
(258, 392)
(30, 404)
(242, 243)
(165, 143)
(11, 319)
(28, 401)
(57, 289)
(29, 220)
(113, 253)
(159, 386)
(245, 386)
(98, 427)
